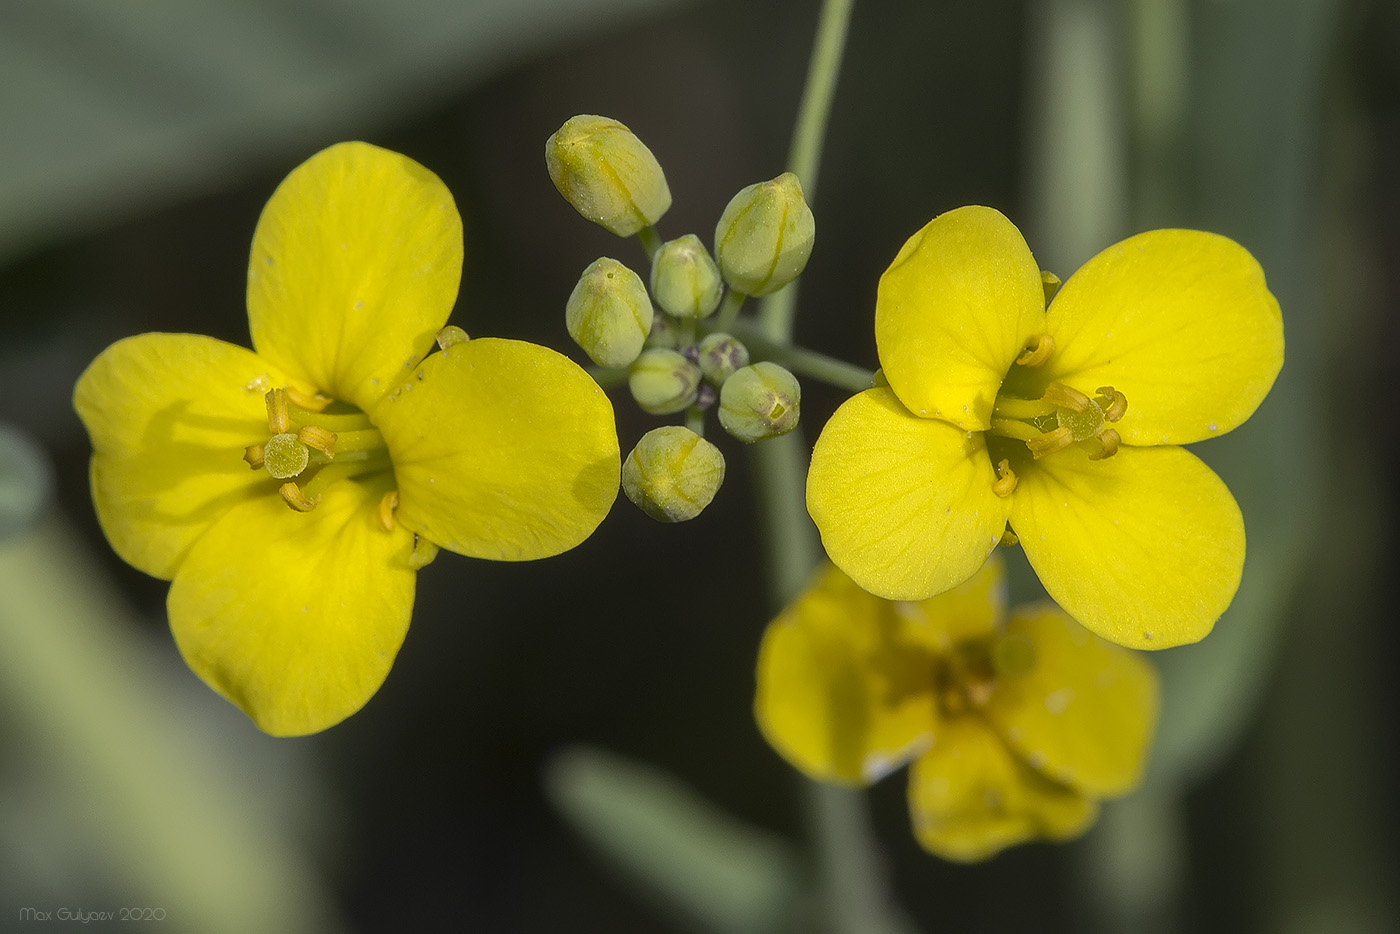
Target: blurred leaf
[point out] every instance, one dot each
(108, 107)
(24, 481)
(723, 875)
(122, 783)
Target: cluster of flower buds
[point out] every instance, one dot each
(676, 360)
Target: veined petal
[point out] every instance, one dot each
(170, 416)
(1144, 548)
(1085, 713)
(956, 307)
(355, 266)
(502, 449)
(904, 504)
(296, 617)
(970, 798)
(1179, 321)
(840, 695)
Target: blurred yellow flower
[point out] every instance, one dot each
(1063, 421)
(1016, 727)
(292, 582)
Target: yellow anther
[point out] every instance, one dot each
(1050, 283)
(319, 438)
(253, 454)
(1008, 538)
(277, 420)
(1050, 442)
(979, 691)
(423, 553)
(301, 400)
(295, 498)
(1110, 440)
(1115, 404)
(451, 334)
(1035, 356)
(1006, 479)
(387, 504)
(1066, 397)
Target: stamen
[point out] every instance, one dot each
(1109, 439)
(451, 334)
(293, 496)
(1066, 397)
(313, 403)
(1011, 407)
(1050, 442)
(978, 691)
(1115, 404)
(1006, 479)
(387, 504)
(319, 438)
(423, 553)
(1050, 283)
(253, 454)
(1008, 538)
(277, 420)
(1035, 356)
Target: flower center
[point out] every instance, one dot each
(966, 678)
(1061, 417)
(310, 448)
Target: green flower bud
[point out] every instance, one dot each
(663, 381)
(672, 473)
(608, 313)
(765, 236)
(607, 174)
(664, 333)
(760, 401)
(720, 356)
(684, 279)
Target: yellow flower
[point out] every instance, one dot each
(292, 582)
(1016, 727)
(1063, 421)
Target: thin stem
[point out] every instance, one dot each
(804, 158)
(608, 377)
(695, 420)
(729, 310)
(851, 883)
(650, 241)
(806, 362)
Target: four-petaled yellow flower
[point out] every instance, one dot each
(292, 582)
(1063, 421)
(1016, 727)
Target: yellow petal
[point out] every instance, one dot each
(970, 798)
(1144, 548)
(355, 266)
(1180, 322)
(956, 307)
(503, 450)
(1085, 713)
(169, 416)
(840, 695)
(904, 504)
(296, 617)
(971, 610)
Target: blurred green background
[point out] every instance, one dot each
(138, 143)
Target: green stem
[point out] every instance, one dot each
(804, 158)
(608, 377)
(806, 362)
(650, 241)
(852, 888)
(695, 420)
(729, 310)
